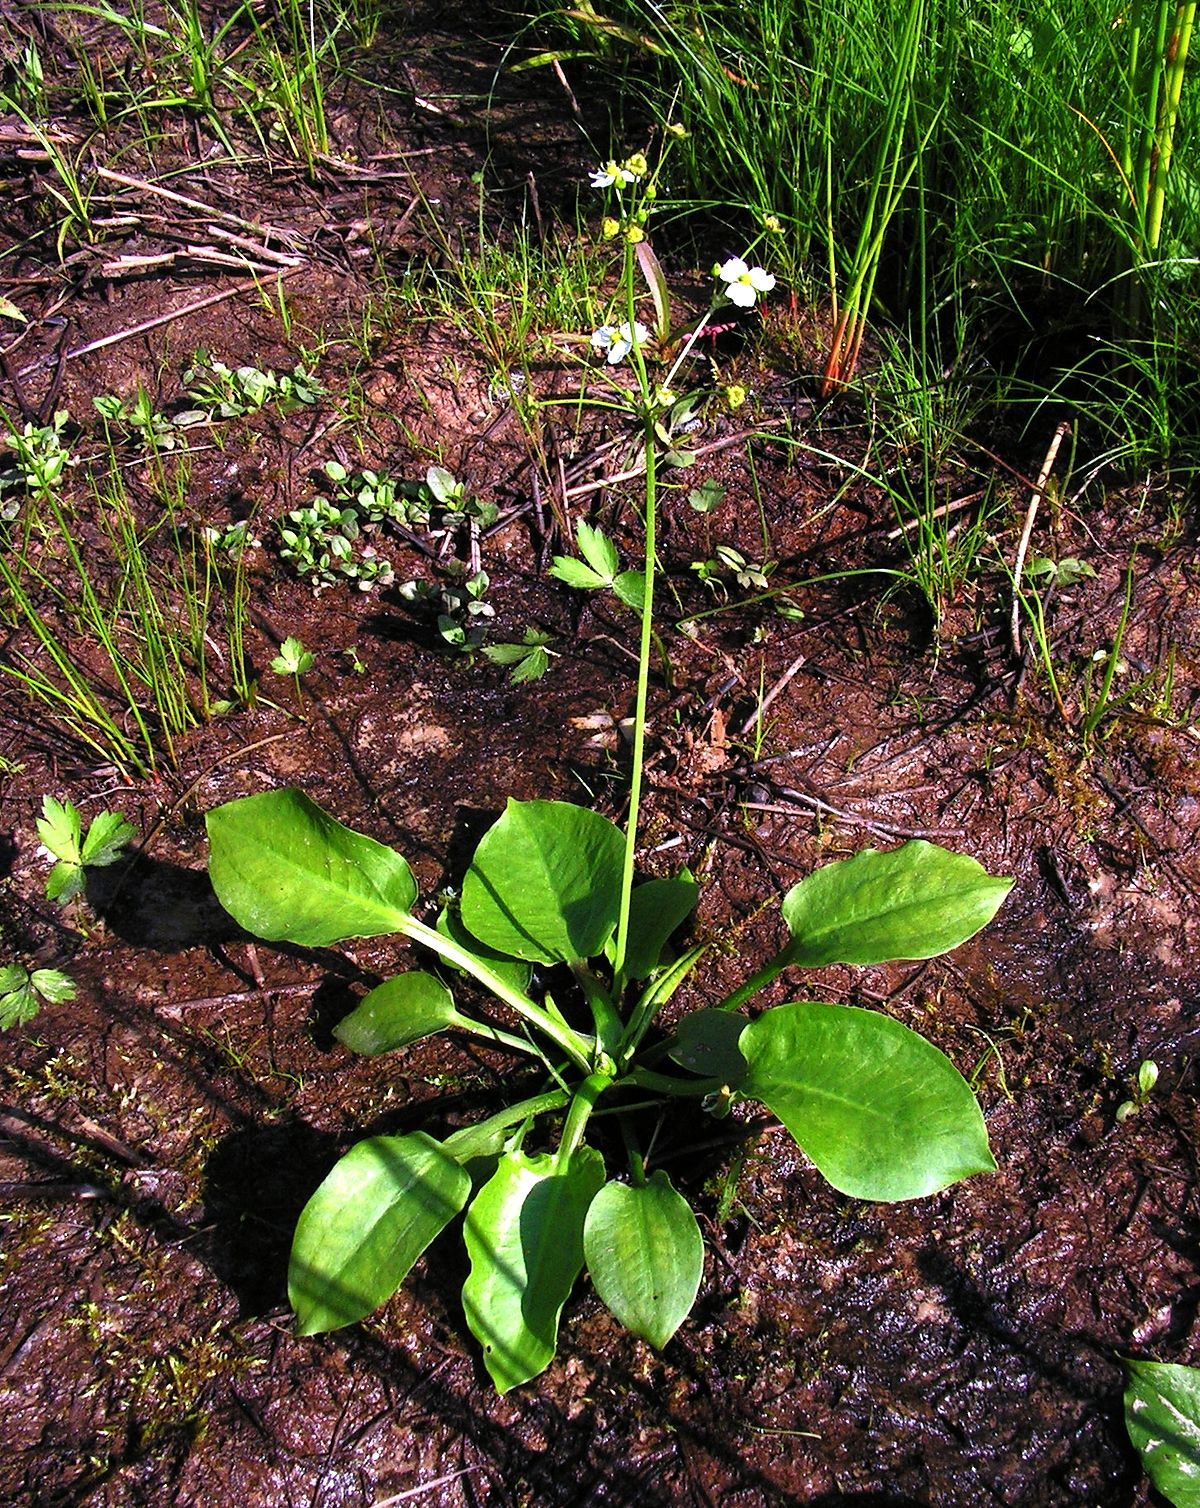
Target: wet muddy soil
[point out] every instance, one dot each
(160, 1133)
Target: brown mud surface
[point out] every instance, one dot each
(160, 1133)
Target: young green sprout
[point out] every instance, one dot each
(294, 660)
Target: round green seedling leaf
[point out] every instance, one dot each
(524, 1236)
(1162, 1415)
(360, 1233)
(880, 1111)
(656, 909)
(915, 901)
(545, 883)
(645, 1254)
(286, 870)
(400, 1011)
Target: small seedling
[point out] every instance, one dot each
(726, 561)
(294, 660)
(527, 661)
(1141, 1088)
(318, 542)
(40, 460)
(223, 392)
(600, 568)
(142, 421)
(1062, 573)
(458, 506)
(707, 496)
(23, 993)
(376, 498)
(61, 830)
(232, 541)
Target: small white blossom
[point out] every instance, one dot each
(743, 284)
(618, 341)
(610, 173)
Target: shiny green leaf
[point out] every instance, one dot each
(397, 1012)
(707, 1043)
(524, 1235)
(656, 909)
(514, 971)
(915, 901)
(1162, 1415)
(645, 1255)
(360, 1233)
(285, 869)
(545, 883)
(880, 1111)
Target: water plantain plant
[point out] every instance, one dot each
(553, 888)
(880, 1111)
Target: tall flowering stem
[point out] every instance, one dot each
(739, 284)
(648, 416)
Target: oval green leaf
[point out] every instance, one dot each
(545, 883)
(645, 1255)
(655, 910)
(880, 1111)
(524, 1235)
(708, 1043)
(400, 1011)
(1162, 1415)
(360, 1233)
(915, 901)
(286, 870)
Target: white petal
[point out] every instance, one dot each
(734, 269)
(741, 294)
(617, 351)
(602, 338)
(763, 281)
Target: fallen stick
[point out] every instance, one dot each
(189, 203)
(159, 319)
(1060, 434)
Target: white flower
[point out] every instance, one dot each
(610, 173)
(618, 341)
(743, 284)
